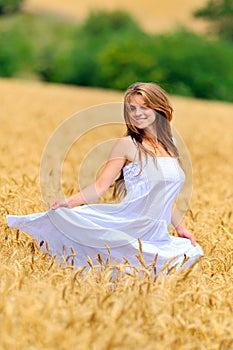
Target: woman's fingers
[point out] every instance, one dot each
(187, 234)
(54, 205)
(58, 203)
(193, 241)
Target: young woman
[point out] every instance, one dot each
(150, 176)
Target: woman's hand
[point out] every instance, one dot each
(179, 225)
(185, 233)
(59, 203)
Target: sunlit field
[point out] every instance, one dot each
(46, 304)
(155, 16)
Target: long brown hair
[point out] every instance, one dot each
(155, 98)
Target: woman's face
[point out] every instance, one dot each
(141, 116)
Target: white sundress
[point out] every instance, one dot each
(144, 213)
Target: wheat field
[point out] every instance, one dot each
(154, 16)
(49, 305)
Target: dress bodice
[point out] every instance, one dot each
(161, 169)
(156, 185)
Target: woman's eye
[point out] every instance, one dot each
(132, 108)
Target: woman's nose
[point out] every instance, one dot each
(138, 112)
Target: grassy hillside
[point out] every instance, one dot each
(48, 306)
(153, 15)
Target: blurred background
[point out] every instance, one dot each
(185, 46)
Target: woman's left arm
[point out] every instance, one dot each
(178, 222)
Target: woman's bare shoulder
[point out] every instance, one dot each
(121, 143)
(128, 146)
(126, 141)
(124, 147)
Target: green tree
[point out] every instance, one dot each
(16, 53)
(220, 13)
(195, 66)
(100, 23)
(10, 6)
(81, 62)
(110, 51)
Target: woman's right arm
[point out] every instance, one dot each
(94, 191)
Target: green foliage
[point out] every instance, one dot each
(79, 64)
(195, 66)
(110, 50)
(16, 52)
(112, 53)
(28, 43)
(124, 62)
(100, 23)
(220, 13)
(10, 6)
(182, 62)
